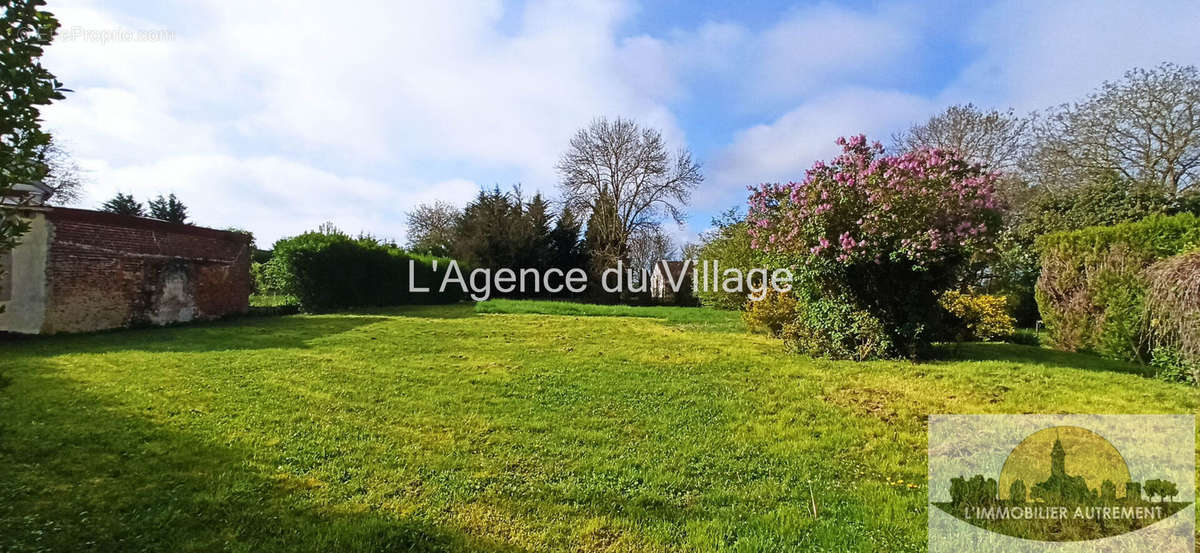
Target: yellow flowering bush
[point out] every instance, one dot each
(980, 316)
(771, 313)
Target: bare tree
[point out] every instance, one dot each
(431, 228)
(997, 139)
(648, 246)
(65, 177)
(1146, 127)
(622, 163)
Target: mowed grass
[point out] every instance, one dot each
(710, 319)
(444, 429)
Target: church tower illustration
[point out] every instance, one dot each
(1061, 486)
(1058, 459)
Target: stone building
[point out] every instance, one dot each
(78, 270)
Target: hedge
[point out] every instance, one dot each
(1092, 289)
(332, 270)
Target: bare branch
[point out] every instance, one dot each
(1146, 127)
(631, 167)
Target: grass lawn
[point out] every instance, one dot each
(447, 429)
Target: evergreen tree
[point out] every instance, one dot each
(538, 245)
(486, 231)
(605, 246)
(567, 250)
(123, 204)
(169, 209)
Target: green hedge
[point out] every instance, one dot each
(1091, 293)
(332, 270)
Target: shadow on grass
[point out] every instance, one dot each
(442, 311)
(247, 333)
(82, 473)
(986, 351)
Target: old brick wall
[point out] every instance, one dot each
(106, 271)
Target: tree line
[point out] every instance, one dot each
(1128, 150)
(167, 208)
(619, 181)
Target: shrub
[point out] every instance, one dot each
(728, 247)
(771, 313)
(1173, 314)
(835, 330)
(1091, 292)
(978, 316)
(268, 279)
(1172, 366)
(329, 270)
(886, 234)
(1024, 337)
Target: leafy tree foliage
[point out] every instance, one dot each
(25, 31)
(1108, 198)
(486, 231)
(534, 233)
(168, 209)
(124, 204)
(727, 246)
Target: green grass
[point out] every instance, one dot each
(711, 319)
(445, 429)
(268, 300)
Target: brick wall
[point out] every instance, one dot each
(106, 271)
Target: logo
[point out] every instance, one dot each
(1062, 483)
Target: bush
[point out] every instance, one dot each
(886, 234)
(1091, 292)
(1172, 366)
(1173, 315)
(771, 313)
(978, 316)
(268, 279)
(330, 270)
(834, 329)
(1024, 337)
(728, 247)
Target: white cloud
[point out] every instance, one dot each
(393, 100)
(1036, 54)
(249, 193)
(1031, 55)
(783, 149)
(273, 116)
(828, 43)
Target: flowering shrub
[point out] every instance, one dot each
(769, 314)
(887, 232)
(980, 316)
(922, 207)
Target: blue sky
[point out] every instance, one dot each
(276, 116)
